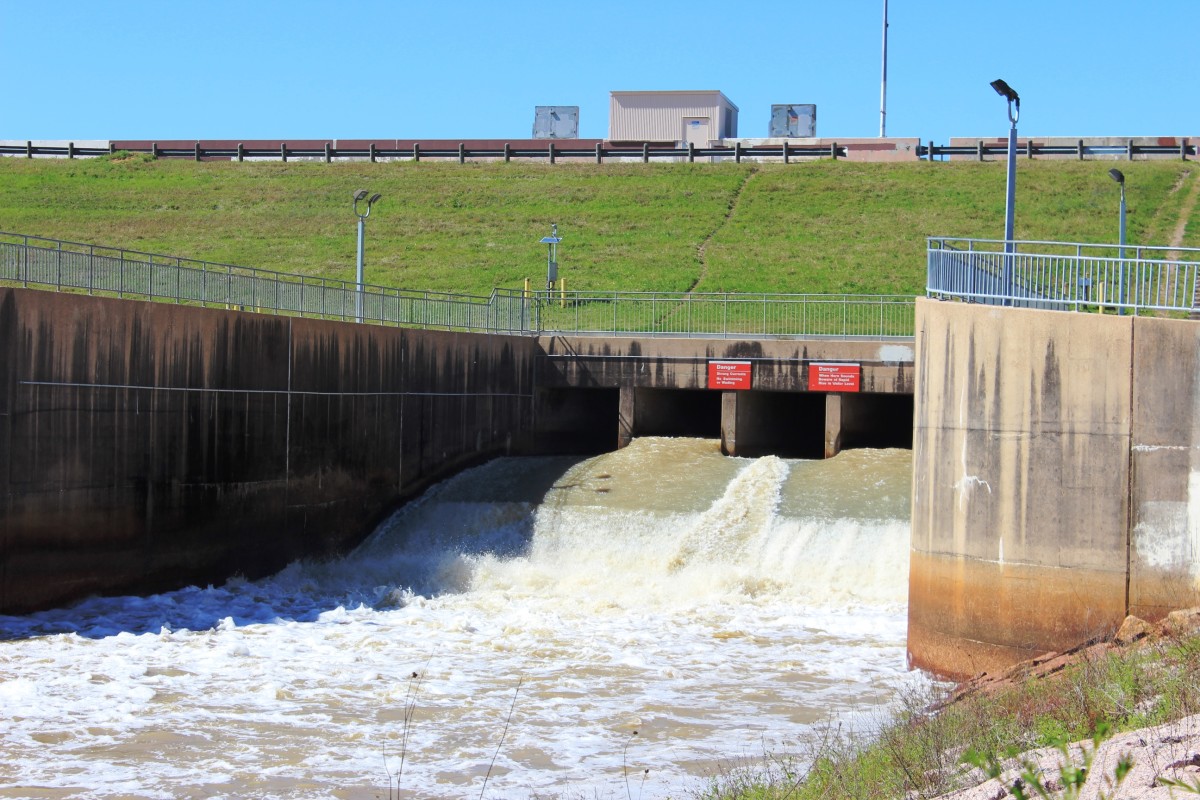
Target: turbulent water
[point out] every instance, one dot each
(517, 625)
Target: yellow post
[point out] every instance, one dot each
(562, 292)
(527, 288)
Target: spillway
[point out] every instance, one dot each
(519, 623)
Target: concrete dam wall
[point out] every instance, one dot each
(145, 446)
(1056, 480)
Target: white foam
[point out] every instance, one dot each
(713, 624)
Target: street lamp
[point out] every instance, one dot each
(360, 196)
(1014, 111)
(1119, 177)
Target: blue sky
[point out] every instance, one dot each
(375, 69)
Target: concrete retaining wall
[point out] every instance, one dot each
(145, 446)
(1054, 460)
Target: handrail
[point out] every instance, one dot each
(1073, 276)
(59, 265)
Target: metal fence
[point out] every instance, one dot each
(728, 315)
(1064, 275)
(35, 262)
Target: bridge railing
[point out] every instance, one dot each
(36, 262)
(1065, 275)
(726, 314)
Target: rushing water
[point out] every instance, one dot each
(519, 623)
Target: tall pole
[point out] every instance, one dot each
(1010, 195)
(883, 79)
(1011, 188)
(360, 196)
(1119, 177)
(358, 275)
(1121, 277)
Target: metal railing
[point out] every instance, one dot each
(553, 150)
(36, 262)
(569, 150)
(32, 261)
(727, 315)
(1080, 150)
(1064, 275)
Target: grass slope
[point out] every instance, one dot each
(817, 227)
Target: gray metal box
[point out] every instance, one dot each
(556, 122)
(794, 121)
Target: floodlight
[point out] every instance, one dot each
(1006, 91)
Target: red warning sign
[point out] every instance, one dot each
(834, 377)
(729, 374)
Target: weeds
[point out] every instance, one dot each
(410, 706)
(1072, 776)
(503, 735)
(922, 753)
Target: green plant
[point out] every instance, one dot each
(1190, 788)
(125, 155)
(1072, 775)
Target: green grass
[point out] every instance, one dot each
(807, 228)
(919, 754)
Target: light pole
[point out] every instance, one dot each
(1014, 112)
(359, 196)
(1119, 177)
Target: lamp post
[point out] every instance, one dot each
(1014, 112)
(360, 196)
(1119, 177)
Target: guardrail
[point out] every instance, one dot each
(562, 149)
(40, 263)
(1080, 150)
(1064, 275)
(552, 151)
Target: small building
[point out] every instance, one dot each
(697, 117)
